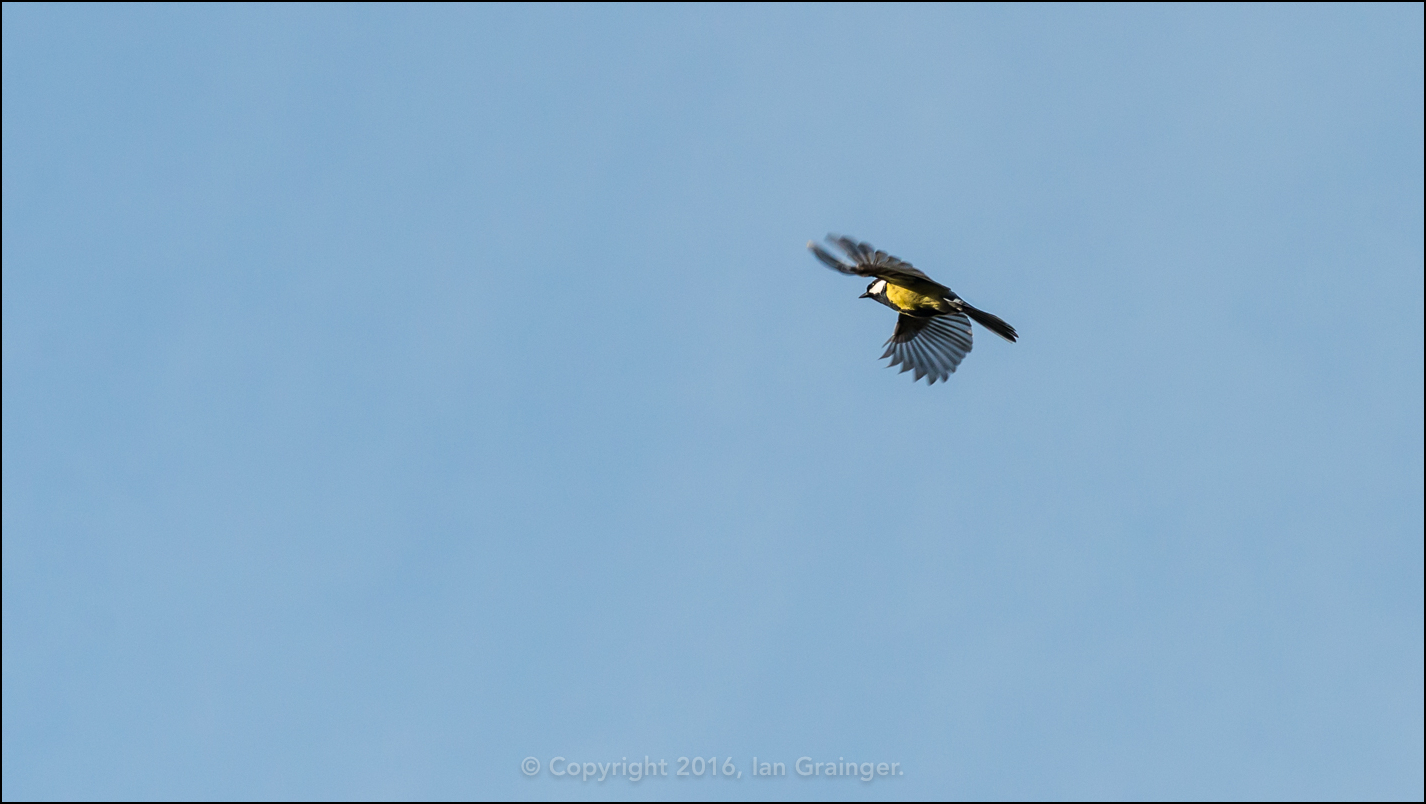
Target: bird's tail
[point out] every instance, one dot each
(991, 322)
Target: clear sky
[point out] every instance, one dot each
(395, 393)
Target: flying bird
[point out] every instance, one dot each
(932, 333)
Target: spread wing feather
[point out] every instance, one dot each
(931, 347)
(867, 261)
(831, 261)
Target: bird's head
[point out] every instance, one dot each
(875, 290)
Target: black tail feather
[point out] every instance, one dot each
(991, 322)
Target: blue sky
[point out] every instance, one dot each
(392, 394)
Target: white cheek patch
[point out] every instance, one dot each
(878, 286)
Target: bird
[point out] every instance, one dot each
(932, 334)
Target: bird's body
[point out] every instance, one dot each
(905, 300)
(933, 332)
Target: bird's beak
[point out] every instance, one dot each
(864, 296)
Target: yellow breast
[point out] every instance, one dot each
(910, 300)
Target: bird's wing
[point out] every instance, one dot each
(867, 261)
(932, 347)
